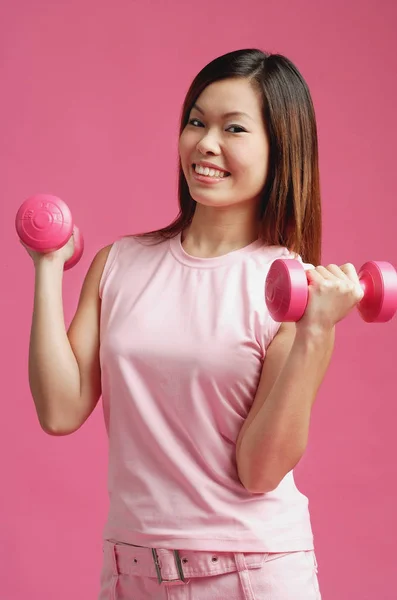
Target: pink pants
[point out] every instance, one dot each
(137, 573)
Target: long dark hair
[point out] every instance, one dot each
(290, 207)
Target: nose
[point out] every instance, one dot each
(208, 145)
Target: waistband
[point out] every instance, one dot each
(175, 567)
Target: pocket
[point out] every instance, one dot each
(312, 559)
(270, 556)
(286, 576)
(109, 579)
(313, 564)
(108, 585)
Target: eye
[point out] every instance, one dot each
(238, 127)
(195, 123)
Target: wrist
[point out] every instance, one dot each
(314, 335)
(48, 263)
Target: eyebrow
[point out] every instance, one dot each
(234, 113)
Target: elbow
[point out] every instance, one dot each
(56, 429)
(257, 483)
(261, 482)
(260, 487)
(259, 477)
(56, 423)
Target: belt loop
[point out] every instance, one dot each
(315, 561)
(244, 576)
(114, 559)
(240, 561)
(115, 570)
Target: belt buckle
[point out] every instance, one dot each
(178, 566)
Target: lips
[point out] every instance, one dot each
(208, 165)
(204, 163)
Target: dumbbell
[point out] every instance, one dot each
(44, 223)
(287, 290)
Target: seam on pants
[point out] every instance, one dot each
(312, 559)
(115, 575)
(244, 576)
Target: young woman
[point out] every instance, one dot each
(206, 399)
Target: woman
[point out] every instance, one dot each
(206, 399)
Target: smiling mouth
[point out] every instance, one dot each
(210, 172)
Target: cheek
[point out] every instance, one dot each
(181, 146)
(184, 154)
(236, 160)
(185, 148)
(254, 164)
(241, 165)
(251, 174)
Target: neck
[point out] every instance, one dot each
(216, 231)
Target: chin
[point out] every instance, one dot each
(212, 202)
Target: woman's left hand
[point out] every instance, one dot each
(333, 293)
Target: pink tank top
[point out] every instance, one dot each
(183, 341)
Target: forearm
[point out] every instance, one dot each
(276, 439)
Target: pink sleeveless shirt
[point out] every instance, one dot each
(183, 341)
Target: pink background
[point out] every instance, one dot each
(90, 102)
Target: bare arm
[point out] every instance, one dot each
(274, 436)
(64, 370)
(275, 433)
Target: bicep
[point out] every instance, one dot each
(275, 358)
(83, 335)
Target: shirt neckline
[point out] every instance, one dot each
(214, 261)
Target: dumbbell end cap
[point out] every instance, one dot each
(44, 222)
(286, 290)
(379, 280)
(78, 249)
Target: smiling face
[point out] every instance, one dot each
(224, 147)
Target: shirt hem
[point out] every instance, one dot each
(212, 544)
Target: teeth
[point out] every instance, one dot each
(209, 172)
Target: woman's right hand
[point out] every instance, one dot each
(62, 254)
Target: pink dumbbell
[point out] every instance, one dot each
(286, 291)
(44, 223)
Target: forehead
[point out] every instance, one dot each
(231, 95)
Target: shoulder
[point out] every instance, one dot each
(266, 255)
(122, 246)
(102, 255)
(119, 246)
(96, 269)
(116, 261)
